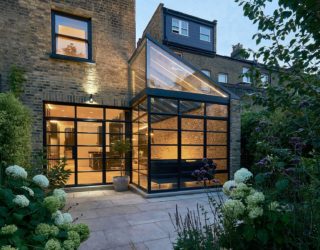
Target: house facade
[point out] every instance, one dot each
(195, 40)
(88, 87)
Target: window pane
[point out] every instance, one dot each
(216, 138)
(90, 139)
(138, 72)
(90, 152)
(116, 164)
(59, 152)
(191, 108)
(60, 139)
(217, 110)
(192, 124)
(69, 162)
(216, 152)
(71, 179)
(192, 138)
(204, 38)
(89, 127)
(221, 164)
(71, 47)
(89, 113)
(53, 110)
(204, 31)
(164, 152)
(92, 164)
(90, 178)
(167, 72)
(162, 105)
(60, 126)
(223, 78)
(164, 122)
(215, 125)
(191, 152)
(112, 138)
(116, 114)
(164, 137)
(115, 127)
(206, 72)
(71, 27)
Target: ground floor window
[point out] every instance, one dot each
(170, 139)
(84, 135)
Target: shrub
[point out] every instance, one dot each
(30, 217)
(15, 132)
(58, 175)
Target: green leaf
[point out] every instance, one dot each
(248, 232)
(282, 184)
(263, 236)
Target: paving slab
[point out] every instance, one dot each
(126, 220)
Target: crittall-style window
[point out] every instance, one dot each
(71, 37)
(222, 77)
(180, 27)
(245, 78)
(205, 34)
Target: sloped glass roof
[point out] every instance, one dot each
(165, 71)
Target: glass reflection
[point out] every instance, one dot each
(167, 72)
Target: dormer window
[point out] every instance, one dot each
(180, 27)
(71, 37)
(205, 34)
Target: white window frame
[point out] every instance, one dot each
(206, 72)
(246, 79)
(202, 33)
(225, 76)
(179, 28)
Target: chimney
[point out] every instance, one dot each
(238, 52)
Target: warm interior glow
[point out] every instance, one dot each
(70, 31)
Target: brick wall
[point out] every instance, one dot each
(155, 26)
(25, 28)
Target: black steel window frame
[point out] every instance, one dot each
(179, 96)
(54, 36)
(103, 122)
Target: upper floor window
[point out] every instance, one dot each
(222, 77)
(245, 78)
(205, 34)
(206, 72)
(71, 36)
(264, 78)
(180, 27)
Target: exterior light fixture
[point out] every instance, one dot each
(91, 98)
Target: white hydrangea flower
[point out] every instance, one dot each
(16, 172)
(67, 218)
(21, 201)
(30, 191)
(255, 212)
(41, 180)
(242, 175)
(233, 208)
(58, 218)
(61, 194)
(228, 186)
(255, 198)
(274, 206)
(241, 191)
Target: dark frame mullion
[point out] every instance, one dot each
(75, 149)
(179, 147)
(104, 153)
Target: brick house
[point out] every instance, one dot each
(195, 40)
(89, 87)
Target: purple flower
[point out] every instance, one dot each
(263, 162)
(304, 104)
(296, 160)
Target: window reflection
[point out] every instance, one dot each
(138, 72)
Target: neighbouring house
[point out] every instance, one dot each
(195, 40)
(88, 87)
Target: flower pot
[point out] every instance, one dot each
(121, 183)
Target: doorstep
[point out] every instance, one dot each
(88, 188)
(172, 193)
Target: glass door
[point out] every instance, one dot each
(89, 152)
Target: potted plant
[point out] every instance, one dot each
(122, 147)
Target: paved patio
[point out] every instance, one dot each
(127, 220)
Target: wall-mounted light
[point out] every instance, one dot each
(91, 98)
